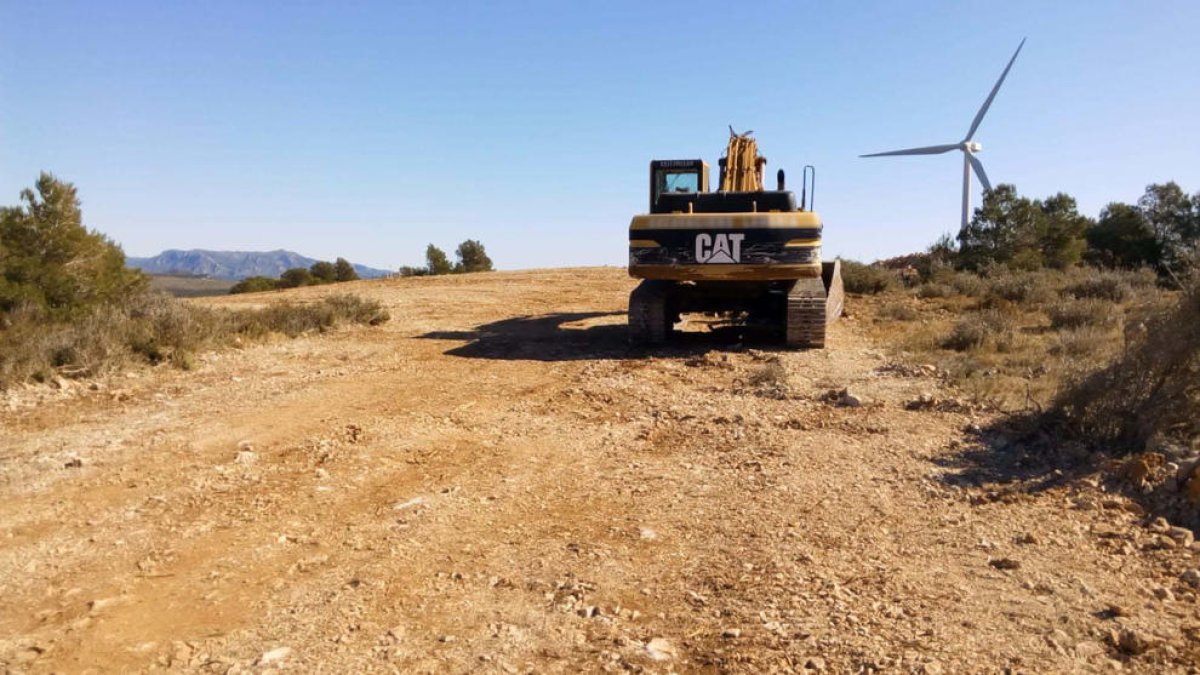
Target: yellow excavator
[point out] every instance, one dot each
(743, 252)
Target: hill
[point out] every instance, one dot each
(496, 481)
(232, 265)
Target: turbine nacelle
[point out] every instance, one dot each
(971, 146)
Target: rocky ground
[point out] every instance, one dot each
(495, 482)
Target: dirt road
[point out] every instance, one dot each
(495, 482)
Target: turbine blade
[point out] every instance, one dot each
(978, 167)
(927, 150)
(988, 103)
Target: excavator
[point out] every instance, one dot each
(742, 252)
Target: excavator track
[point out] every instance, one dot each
(813, 304)
(649, 321)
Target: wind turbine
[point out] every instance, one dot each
(968, 146)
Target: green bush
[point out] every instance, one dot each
(255, 285)
(866, 279)
(50, 264)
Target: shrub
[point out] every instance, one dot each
(1101, 285)
(50, 263)
(979, 329)
(1024, 288)
(1078, 313)
(296, 277)
(866, 279)
(255, 285)
(1085, 341)
(771, 381)
(899, 312)
(1152, 389)
(344, 271)
(323, 272)
(934, 290)
(153, 328)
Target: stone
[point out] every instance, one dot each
(1005, 563)
(1182, 535)
(274, 656)
(848, 399)
(660, 649)
(1191, 578)
(73, 463)
(1130, 642)
(731, 633)
(1163, 593)
(246, 457)
(1159, 525)
(815, 663)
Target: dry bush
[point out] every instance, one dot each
(154, 328)
(977, 330)
(961, 282)
(770, 381)
(1102, 286)
(934, 290)
(1078, 313)
(1081, 342)
(898, 312)
(1152, 389)
(866, 279)
(1026, 288)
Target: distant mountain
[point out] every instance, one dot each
(232, 265)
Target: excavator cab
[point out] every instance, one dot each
(677, 176)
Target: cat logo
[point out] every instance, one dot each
(719, 248)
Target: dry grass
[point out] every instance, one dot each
(1014, 340)
(1152, 390)
(154, 328)
(1070, 314)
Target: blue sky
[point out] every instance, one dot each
(367, 130)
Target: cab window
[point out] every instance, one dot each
(678, 181)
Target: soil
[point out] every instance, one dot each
(494, 481)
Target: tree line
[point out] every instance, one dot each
(471, 258)
(1159, 231)
(319, 273)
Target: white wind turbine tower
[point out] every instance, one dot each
(968, 146)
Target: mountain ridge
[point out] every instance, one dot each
(232, 265)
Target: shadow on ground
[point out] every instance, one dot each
(572, 336)
(1016, 456)
(1029, 455)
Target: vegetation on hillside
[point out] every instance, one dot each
(1034, 307)
(321, 272)
(471, 258)
(70, 308)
